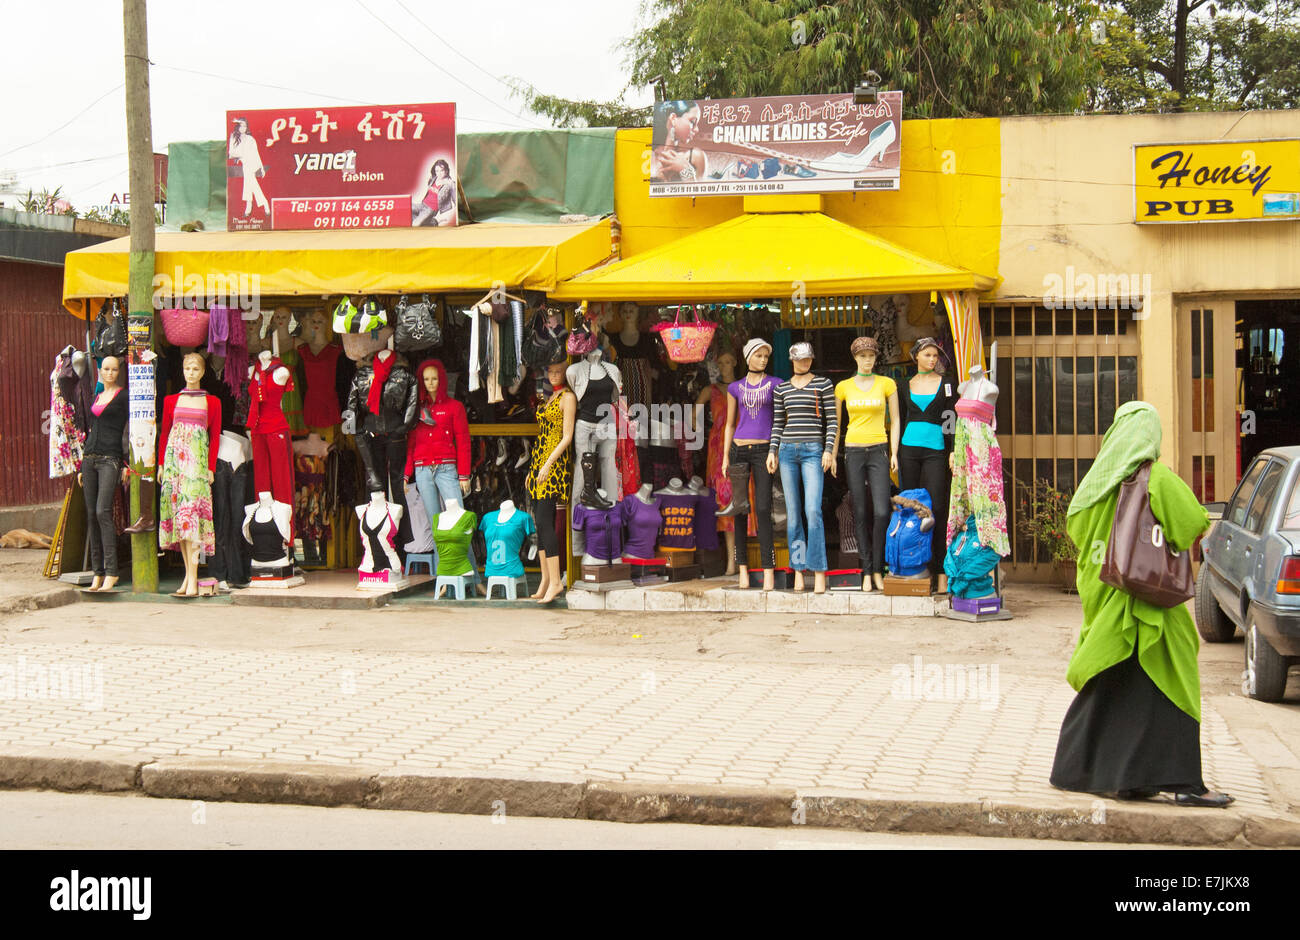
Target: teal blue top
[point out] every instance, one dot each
(923, 433)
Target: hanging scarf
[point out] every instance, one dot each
(383, 368)
(1132, 440)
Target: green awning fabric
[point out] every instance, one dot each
(196, 185)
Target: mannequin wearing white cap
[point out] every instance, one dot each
(714, 397)
(804, 426)
(744, 452)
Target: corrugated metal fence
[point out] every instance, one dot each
(33, 328)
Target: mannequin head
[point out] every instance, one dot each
(727, 367)
(433, 382)
(193, 367)
(631, 317)
(864, 350)
(110, 370)
(315, 329)
(555, 374)
(928, 356)
(757, 355)
(801, 358)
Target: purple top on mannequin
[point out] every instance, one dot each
(642, 521)
(753, 408)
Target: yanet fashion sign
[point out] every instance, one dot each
(1223, 181)
(381, 166)
(786, 144)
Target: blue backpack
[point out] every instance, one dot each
(907, 542)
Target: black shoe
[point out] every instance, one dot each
(1209, 798)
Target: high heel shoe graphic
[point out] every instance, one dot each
(878, 141)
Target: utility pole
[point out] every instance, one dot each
(140, 368)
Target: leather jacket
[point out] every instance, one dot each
(397, 402)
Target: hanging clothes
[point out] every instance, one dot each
(66, 439)
(713, 474)
(320, 406)
(474, 357)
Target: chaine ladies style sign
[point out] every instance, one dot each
(785, 144)
(381, 166)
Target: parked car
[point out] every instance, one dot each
(1250, 575)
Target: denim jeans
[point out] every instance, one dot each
(753, 458)
(868, 472)
(801, 473)
(437, 484)
(100, 477)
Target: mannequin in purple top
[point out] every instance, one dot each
(744, 451)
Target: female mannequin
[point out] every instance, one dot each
(804, 427)
(383, 400)
(452, 530)
(503, 534)
(102, 469)
(744, 450)
(380, 521)
(678, 505)
(976, 462)
(269, 382)
(868, 455)
(597, 385)
(437, 452)
(286, 329)
(602, 531)
(636, 357)
(927, 400)
(320, 357)
(188, 460)
(549, 472)
(715, 396)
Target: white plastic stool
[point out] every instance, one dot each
(419, 558)
(508, 584)
(458, 583)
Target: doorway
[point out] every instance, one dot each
(1268, 374)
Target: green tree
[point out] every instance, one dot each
(950, 58)
(1180, 55)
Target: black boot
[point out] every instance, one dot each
(738, 474)
(146, 521)
(589, 497)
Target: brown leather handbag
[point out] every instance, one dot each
(1138, 559)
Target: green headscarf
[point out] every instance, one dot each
(1133, 439)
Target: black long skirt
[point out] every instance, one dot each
(1122, 733)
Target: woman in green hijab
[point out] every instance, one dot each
(1134, 728)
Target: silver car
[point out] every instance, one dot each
(1250, 576)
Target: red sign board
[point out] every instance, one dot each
(380, 166)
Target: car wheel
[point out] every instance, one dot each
(1213, 624)
(1265, 669)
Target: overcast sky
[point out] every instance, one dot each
(63, 55)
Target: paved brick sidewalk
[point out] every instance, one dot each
(890, 731)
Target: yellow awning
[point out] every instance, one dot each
(381, 261)
(761, 255)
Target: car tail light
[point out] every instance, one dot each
(1288, 581)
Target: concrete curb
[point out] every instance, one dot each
(557, 796)
(41, 600)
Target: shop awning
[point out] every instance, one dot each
(769, 255)
(381, 261)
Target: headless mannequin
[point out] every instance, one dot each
(979, 387)
(506, 511)
(447, 519)
(595, 441)
(675, 487)
(645, 493)
(374, 515)
(726, 375)
(756, 366)
(588, 558)
(281, 375)
(267, 510)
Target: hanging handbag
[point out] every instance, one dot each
(686, 342)
(416, 328)
(581, 341)
(1138, 559)
(500, 311)
(110, 334)
(543, 344)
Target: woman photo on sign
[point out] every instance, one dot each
(673, 159)
(244, 149)
(439, 201)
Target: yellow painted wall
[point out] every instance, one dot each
(1067, 200)
(947, 207)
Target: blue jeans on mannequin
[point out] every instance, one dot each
(801, 473)
(437, 484)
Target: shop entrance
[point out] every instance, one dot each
(1268, 374)
(1208, 458)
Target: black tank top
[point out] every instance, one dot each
(268, 543)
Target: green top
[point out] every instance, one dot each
(453, 544)
(1110, 617)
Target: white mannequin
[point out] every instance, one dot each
(374, 514)
(696, 485)
(674, 488)
(448, 518)
(78, 361)
(979, 387)
(629, 334)
(506, 511)
(312, 446)
(644, 494)
(267, 510)
(235, 449)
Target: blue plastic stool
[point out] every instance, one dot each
(419, 558)
(458, 583)
(508, 584)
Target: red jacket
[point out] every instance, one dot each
(445, 440)
(214, 428)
